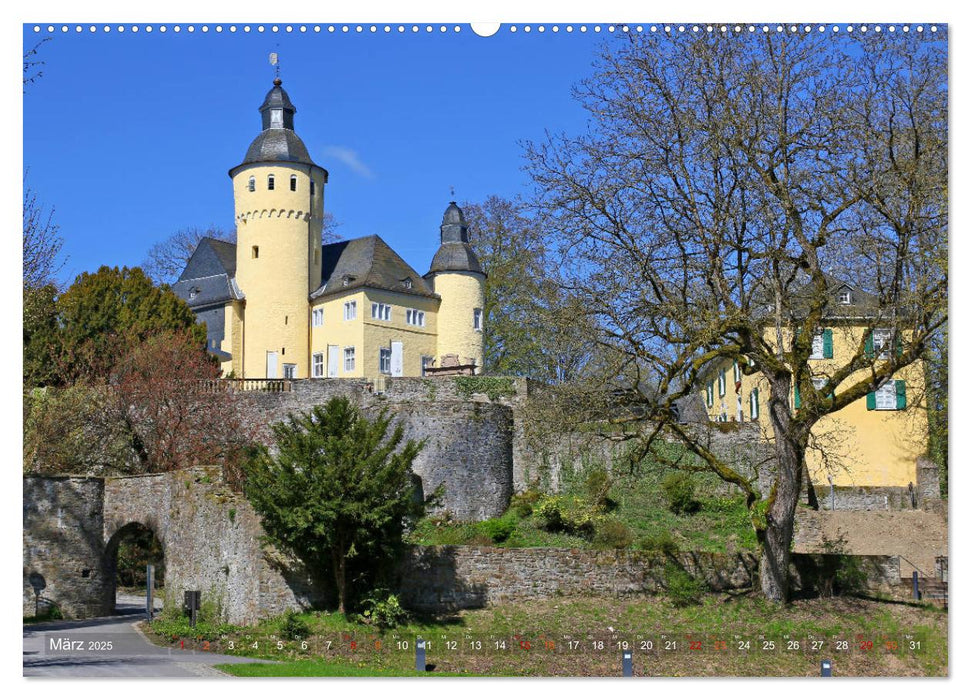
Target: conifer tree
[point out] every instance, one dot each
(336, 492)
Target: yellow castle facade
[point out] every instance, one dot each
(280, 304)
(872, 442)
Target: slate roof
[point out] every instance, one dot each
(209, 274)
(368, 262)
(863, 305)
(278, 143)
(455, 257)
(455, 253)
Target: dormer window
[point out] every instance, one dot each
(407, 283)
(844, 297)
(276, 118)
(293, 183)
(269, 182)
(194, 292)
(252, 184)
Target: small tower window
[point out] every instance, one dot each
(252, 184)
(276, 118)
(255, 252)
(477, 319)
(269, 182)
(312, 188)
(293, 183)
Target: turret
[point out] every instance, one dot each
(457, 277)
(279, 199)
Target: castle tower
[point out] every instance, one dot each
(279, 197)
(457, 277)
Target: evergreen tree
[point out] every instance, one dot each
(336, 493)
(104, 314)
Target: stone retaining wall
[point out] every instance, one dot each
(440, 579)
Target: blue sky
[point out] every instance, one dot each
(130, 136)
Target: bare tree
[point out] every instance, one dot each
(167, 259)
(42, 242)
(32, 66)
(521, 300)
(724, 178)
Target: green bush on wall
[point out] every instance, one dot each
(569, 514)
(679, 491)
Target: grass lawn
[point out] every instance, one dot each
(724, 636)
(318, 668)
(721, 524)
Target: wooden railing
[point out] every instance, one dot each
(235, 386)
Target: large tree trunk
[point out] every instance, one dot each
(340, 578)
(776, 539)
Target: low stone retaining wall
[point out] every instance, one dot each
(440, 579)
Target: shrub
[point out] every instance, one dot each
(293, 627)
(613, 534)
(682, 588)
(568, 514)
(383, 610)
(679, 490)
(596, 484)
(522, 504)
(497, 530)
(662, 542)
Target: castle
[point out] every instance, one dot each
(280, 304)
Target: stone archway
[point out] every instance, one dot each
(115, 576)
(210, 536)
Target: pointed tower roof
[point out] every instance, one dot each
(278, 141)
(455, 254)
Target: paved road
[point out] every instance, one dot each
(131, 655)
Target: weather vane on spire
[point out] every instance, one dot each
(452, 189)
(275, 61)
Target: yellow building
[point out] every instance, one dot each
(872, 442)
(279, 304)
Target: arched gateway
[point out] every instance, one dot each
(209, 534)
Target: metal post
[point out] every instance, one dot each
(827, 669)
(628, 664)
(916, 587)
(150, 592)
(420, 655)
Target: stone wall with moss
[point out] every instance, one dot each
(210, 536)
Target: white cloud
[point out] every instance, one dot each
(349, 157)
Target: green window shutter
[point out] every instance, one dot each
(796, 401)
(710, 393)
(828, 343)
(868, 347)
(901, 387)
(871, 401)
(755, 404)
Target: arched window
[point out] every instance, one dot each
(293, 183)
(252, 184)
(269, 182)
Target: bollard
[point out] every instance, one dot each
(193, 600)
(916, 587)
(628, 664)
(420, 655)
(827, 669)
(150, 593)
